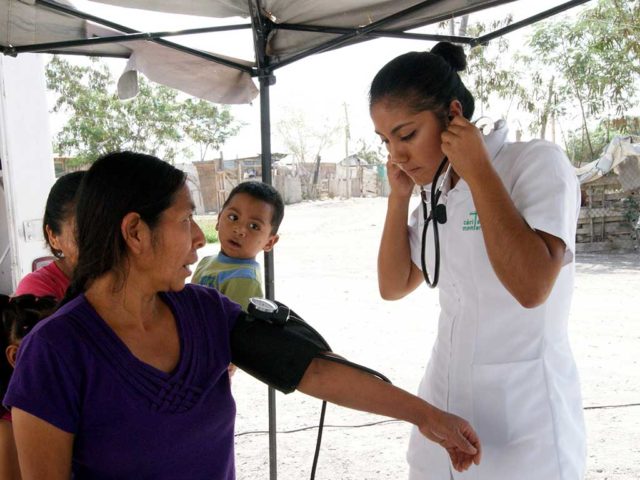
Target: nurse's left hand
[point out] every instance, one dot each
(456, 436)
(464, 146)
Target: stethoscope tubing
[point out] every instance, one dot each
(435, 217)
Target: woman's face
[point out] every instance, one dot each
(176, 239)
(65, 241)
(412, 139)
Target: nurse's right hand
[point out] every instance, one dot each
(399, 182)
(456, 436)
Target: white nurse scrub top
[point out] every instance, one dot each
(507, 369)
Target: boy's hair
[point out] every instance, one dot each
(266, 193)
(19, 315)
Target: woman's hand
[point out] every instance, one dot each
(456, 436)
(464, 146)
(400, 182)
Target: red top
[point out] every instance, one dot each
(47, 280)
(6, 415)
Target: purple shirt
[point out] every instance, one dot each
(131, 420)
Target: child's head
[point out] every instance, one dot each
(19, 315)
(249, 220)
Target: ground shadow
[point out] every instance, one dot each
(608, 262)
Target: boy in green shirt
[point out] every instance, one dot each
(247, 224)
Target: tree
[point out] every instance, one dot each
(208, 125)
(486, 68)
(305, 141)
(371, 154)
(155, 122)
(597, 57)
(588, 65)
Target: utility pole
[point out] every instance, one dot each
(347, 130)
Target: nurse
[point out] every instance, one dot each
(502, 357)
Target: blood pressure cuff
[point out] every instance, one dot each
(277, 355)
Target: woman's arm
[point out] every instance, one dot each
(355, 389)
(44, 451)
(9, 469)
(397, 275)
(526, 261)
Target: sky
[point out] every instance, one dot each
(322, 86)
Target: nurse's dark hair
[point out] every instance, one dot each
(61, 204)
(265, 193)
(117, 184)
(425, 81)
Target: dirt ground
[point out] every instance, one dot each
(325, 269)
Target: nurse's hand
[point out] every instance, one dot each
(464, 146)
(456, 436)
(400, 183)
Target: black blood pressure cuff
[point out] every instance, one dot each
(277, 354)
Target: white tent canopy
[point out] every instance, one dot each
(283, 32)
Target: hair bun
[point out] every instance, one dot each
(453, 54)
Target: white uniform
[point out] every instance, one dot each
(506, 369)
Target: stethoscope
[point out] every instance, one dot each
(438, 214)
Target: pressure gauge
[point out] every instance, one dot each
(268, 310)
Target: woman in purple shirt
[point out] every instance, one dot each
(128, 379)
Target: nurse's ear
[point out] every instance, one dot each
(455, 109)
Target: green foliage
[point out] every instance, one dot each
(580, 152)
(583, 69)
(373, 155)
(208, 225)
(208, 125)
(487, 73)
(154, 122)
(597, 59)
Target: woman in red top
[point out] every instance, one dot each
(59, 233)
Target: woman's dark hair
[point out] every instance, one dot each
(115, 185)
(60, 205)
(425, 80)
(19, 315)
(264, 192)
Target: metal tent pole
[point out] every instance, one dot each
(261, 28)
(265, 140)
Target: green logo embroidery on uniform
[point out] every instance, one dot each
(472, 222)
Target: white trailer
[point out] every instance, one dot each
(27, 171)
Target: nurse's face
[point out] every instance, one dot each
(412, 139)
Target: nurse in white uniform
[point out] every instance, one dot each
(502, 358)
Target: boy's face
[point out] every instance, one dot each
(244, 227)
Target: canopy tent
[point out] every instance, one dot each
(282, 32)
